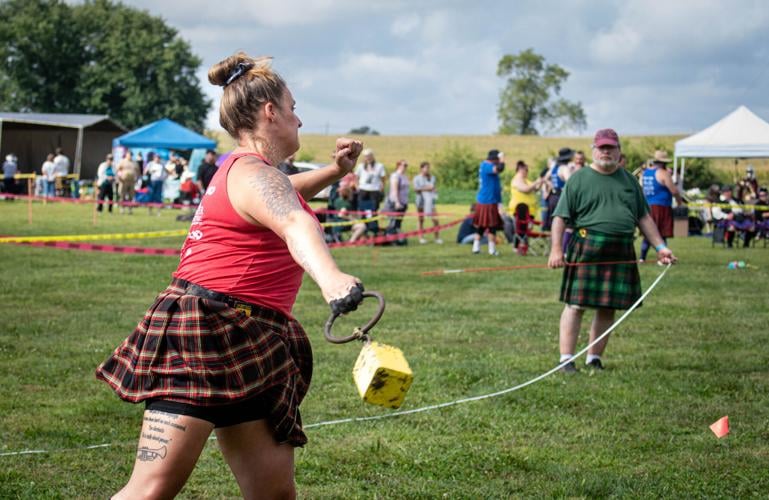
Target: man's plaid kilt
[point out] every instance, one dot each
(611, 286)
(202, 352)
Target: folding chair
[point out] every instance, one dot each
(526, 240)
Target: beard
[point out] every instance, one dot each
(605, 164)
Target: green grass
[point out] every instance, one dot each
(695, 351)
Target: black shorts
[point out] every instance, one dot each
(220, 415)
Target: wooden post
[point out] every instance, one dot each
(30, 193)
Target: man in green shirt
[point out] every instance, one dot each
(604, 203)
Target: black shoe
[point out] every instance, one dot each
(569, 367)
(595, 364)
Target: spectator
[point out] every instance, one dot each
(140, 163)
(206, 170)
(728, 213)
(171, 166)
(558, 176)
(747, 188)
(48, 174)
(343, 206)
(127, 175)
(398, 196)
(466, 232)
(605, 204)
(10, 169)
(711, 198)
(370, 174)
(659, 190)
(61, 163)
(157, 177)
(576, 164)
(487, 218)
(761, 213)
(426, 194)
(105, 180)
(188, 188)
(522, 190)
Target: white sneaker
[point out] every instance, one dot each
(422, 241)
(439, 241)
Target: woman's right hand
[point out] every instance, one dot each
(344, 294)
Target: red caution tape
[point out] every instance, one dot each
(394, 237)
(90, 247)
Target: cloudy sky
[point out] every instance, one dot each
(429, 66)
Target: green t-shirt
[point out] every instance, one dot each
(610, 204)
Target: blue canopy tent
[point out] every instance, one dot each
(164, 134)
(161, 137)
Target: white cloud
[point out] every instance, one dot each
(404, 26)
(656, 31)
(258, 13)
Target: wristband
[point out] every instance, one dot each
(661, 246)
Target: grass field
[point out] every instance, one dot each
(695, 351)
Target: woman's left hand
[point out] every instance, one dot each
(347, 152)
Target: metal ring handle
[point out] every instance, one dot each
(358, 333)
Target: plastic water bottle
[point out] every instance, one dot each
(737, 264)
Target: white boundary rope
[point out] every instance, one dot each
(423, 408)
(504, 391)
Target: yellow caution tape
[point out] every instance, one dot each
(88, 237)
(728, 205)
(351, 222)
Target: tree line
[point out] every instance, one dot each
(97, 57)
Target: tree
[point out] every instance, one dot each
(364, 130)
(529, 100)
(97, 57)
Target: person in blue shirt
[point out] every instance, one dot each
(659, 191)
(488, 200)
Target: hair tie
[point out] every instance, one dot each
(239, 71)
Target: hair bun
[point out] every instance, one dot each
(221, 72)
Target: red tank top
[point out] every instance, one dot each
(225, 253)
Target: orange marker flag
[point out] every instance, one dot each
(720, 427)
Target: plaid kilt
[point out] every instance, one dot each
(663, 218)
(611, 286)
(202, 352)
(487, 216)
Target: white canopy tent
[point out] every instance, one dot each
(740, 134)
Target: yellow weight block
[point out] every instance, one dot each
(382, 375)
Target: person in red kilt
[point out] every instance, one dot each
(219, 349)
(659, 190)
(487, 217)
(604, 203)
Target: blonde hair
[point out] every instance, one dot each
(249, 83)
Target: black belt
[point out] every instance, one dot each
(200, 291)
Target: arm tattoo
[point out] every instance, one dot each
(276, 192)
